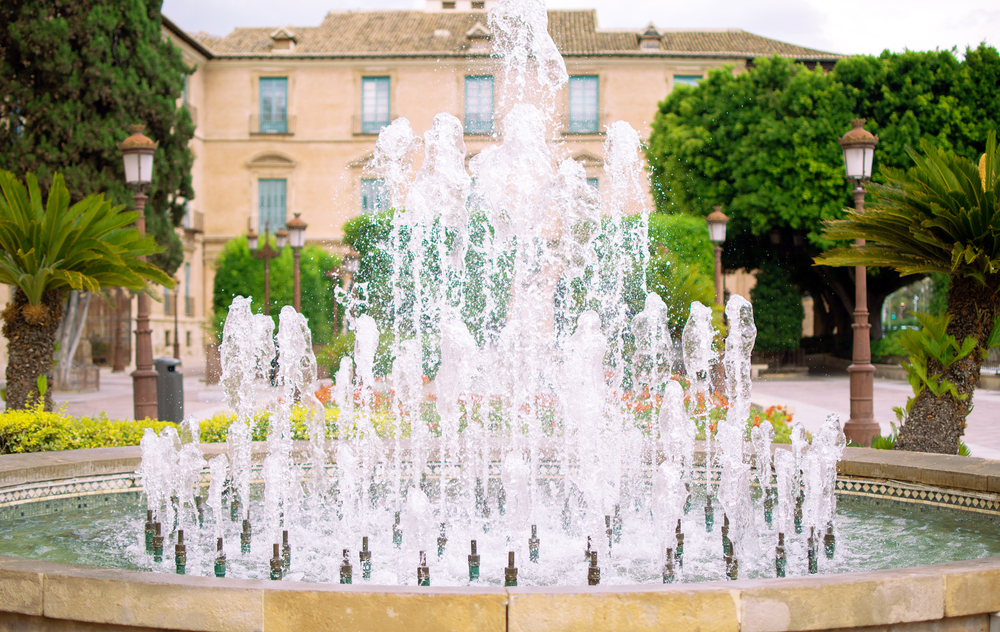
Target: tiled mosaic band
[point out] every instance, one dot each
(908, 493)
(46, 497)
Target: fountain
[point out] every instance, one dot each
(534, 409)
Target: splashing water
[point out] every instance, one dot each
(527, 386)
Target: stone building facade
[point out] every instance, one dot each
(287, 117)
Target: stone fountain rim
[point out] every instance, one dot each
(964, 592)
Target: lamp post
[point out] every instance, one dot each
(296, 239)
(177, 340)
(859, 150)
(137, 154)
(351, 265)
(717, 221)
(265, 252)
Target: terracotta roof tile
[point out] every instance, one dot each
(418, 33)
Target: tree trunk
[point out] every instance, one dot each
(69, 334)
(31, 335)
(935, 424)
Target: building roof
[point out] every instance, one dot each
(443, 34)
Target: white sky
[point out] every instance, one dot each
(844, 26)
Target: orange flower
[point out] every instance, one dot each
(324, 395)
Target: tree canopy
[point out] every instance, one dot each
(74, 75)
(763, 144)
(239, 273)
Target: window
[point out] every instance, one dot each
(479, 105)
(187, 338)
(583, 104)
(374, 195)
(478, 4)
(168, 303)
(686, 80)
(592, 182)
(273, 105)
(446, 4)
(271, 194)
(374, 104)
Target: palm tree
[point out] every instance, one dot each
(48, 250)
(940, 216)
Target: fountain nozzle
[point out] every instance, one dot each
(180, 553)
(423, 573)
(680, 544)
(365, 556)
(149, 531)
(473, 564)
(286, 551)
(593, 571)
(668, 568)
(780, 561)
(533, 544)
(829, 542)
(397, 533)
(245, 537)
(442, 542)
(346, 572)
(157, 543)
(277, 565)
(220, 559)
(510, 573)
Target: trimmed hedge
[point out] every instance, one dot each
(34, 430)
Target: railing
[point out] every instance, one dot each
(194, 221)
(277, 124)
(361, 126)
(189, 306)
(193, 111)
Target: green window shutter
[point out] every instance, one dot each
(479, 105)
(273, 105)
(374, 104)
(374, 195)
(271, 194)
(583, 104)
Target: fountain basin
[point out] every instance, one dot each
(959, 595)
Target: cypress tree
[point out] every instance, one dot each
(73, 75)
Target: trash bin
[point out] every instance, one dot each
(169, 390)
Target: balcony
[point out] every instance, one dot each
(272, 125)
(194, 221)
(363, 127)
(193, 111)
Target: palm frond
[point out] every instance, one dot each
(940, 216)
(86, 246)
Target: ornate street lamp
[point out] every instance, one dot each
(297, 239)
(137, 154)
(717, 221)
(265, 252)
(859, 151)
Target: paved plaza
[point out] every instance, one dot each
(809, 398)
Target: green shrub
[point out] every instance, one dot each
(889, 345)
(239, 273)
(215, 429)
(34, 430)
(780, 313)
